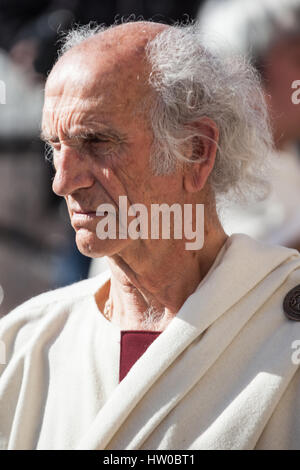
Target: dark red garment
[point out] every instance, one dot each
(133, 345)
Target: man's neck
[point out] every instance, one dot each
(147, 294)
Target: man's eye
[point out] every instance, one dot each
(96, 140)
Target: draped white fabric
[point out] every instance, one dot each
(220, 376)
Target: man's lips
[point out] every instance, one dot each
(81, 215)
(77, 209)
(83, 212)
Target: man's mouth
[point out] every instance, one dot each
(79, 216)
(84, 212)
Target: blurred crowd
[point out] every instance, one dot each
(37, 245)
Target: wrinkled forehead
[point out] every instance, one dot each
(89, 76)
(97, 82)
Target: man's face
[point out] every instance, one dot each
(101, 143)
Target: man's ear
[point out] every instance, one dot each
(203, 148)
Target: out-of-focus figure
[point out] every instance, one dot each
(266, 32)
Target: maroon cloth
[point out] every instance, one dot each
(133, 345)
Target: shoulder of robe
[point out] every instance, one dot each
(18, 326)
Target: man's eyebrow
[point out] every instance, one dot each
(108, 134)
(88, 133)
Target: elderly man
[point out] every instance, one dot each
(173, 348)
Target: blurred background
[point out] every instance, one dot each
(37, 243)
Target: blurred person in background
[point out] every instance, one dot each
(266, 32)
(37, 248)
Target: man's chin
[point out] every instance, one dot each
(90, 245)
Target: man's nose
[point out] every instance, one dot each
(72, 172)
